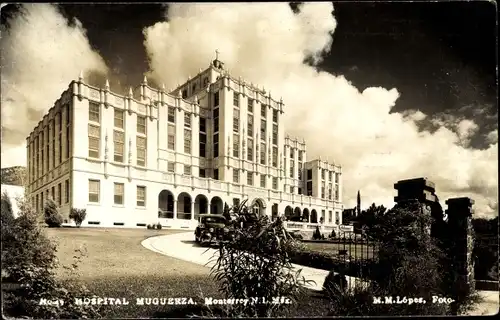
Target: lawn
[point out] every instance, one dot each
(117, 265)
(359, 251)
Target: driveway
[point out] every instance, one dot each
(182, 246)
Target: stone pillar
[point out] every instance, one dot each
(192, 210)
(461, 242)
(423, 191)
(175, 209)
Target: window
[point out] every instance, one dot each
(184, 94)
(236, 146)
(216, 145)
(141, 144)
(236, 120)
(203, 173)
(141, 124)
(119, 118)
(68, 115)
(263, 153)
(300, 155)
(250, 150)
(66, 188)
(275, 134)
(337, 177)
(68, 144)
(187, 170)
(236, 99)
(250, 105)
(309, 188)
(330, 216)
(275, 183)
(292, 153)
(94, 186)
(205, 81)
(94, 142)
(330, 192)
(60, 147)
(118, 193)
(216, 99)
(275, 116)
(203, 145)
(292, 169)
(216, 174)
(263, 130)
(59, 194)
(141, 196)
(300, 171)
(323, 174)
(171, 114)
(187, 120)
(118, 142)
(275, 157)
(262, 180)
(94, 112)
(171, 167)
(171, 138)
(337, 218)
(322, 192)
(291, 189)
(250, 125)
(250, 178)
(236, 175)
(216, 120)
(187, 141)
(203, 125)
(263, 111)
(309, 174)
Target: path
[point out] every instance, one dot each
(182, 246)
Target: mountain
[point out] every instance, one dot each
(13, 175)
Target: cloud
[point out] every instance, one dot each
(42, 53)
(267, 44)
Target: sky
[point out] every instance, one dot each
(389, 91)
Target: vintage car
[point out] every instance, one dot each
(212, 228)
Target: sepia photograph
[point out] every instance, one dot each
(249, 160)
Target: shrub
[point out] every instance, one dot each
(158, 226)
(256, 263)
(30, 263)
(316, 234)
(409, 266)
(78, 215)
(332, 235)
(51, 213)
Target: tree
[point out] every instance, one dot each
(256, 263)
(78, 215)
(51, 213)
(409, 265)
(370, 218)
(29, 262)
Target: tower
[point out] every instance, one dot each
(358, 207)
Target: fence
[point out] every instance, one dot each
(350, 253)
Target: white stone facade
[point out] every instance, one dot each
(163, 157)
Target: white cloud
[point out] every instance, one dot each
(266, 44)
(41, 54)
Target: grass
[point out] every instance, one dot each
(359, 251)
(117, 265)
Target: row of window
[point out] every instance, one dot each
(38, 200)
(118, 193)
(94, 135)
(250, 104)
(292, 153)
(42, 153)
